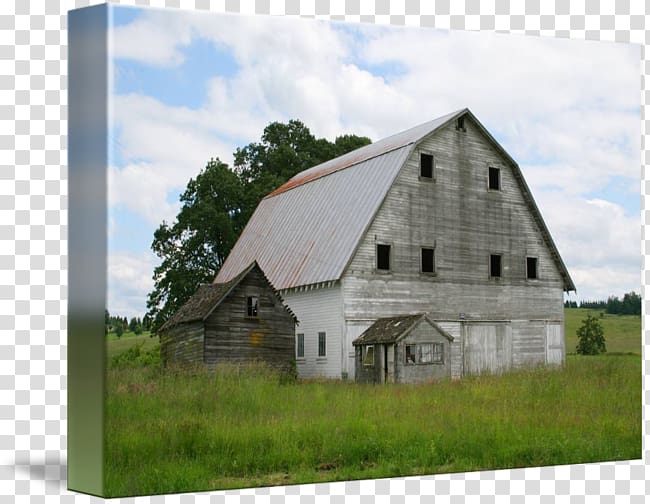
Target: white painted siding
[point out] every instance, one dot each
(353, 329)
(319, 310)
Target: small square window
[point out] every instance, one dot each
(495, 265)
(252, 304)
(494, 178)
(322, 344)
(426, 165)
(428, 260)
(300, 345)
(531, 268)
(383, 257)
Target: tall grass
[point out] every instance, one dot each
(188, 430)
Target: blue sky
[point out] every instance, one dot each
(189, 86)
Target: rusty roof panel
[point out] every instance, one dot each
(307, 235)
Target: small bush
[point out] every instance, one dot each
(591, 337)
(136, 357)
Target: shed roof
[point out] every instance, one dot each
(393, 329)
(306, 231)
(208, 296)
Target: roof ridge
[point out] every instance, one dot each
(379, 148)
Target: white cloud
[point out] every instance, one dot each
(152, 39)
(598, 242)
(129, 282)
(567, 111)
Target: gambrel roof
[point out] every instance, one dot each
(307, 231)
(208, 296)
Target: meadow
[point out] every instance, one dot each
(190, 430)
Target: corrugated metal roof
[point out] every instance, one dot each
(307, 234)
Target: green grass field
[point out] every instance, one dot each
(622, 332)
(188, 431)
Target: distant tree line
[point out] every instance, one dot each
(629, 305)
(119, 325)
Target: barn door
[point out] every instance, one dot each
(487, 348)
(554, 344)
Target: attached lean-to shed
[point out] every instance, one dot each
(405, 349)
(242, 320)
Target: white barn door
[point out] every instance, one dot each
(487, 348)
(554, 344)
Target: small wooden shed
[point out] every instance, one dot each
(403, 349)
(242, 320)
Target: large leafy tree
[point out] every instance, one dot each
(217, 204)
(194, 247)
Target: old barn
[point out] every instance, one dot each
(436, 220)
(241, 320)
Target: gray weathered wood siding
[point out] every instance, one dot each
(182, 344)
(454, 329)
(232, 336)
(465, 222)
(417, 373)
(319, 310)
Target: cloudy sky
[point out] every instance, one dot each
(189, 86)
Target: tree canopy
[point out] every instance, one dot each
(217, 204)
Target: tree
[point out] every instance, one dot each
(217, 204)
(194, 247)
(119, 330)
(591, 337)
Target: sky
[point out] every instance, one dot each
(190, 86)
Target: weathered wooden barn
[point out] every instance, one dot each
(435, 220)
(241, 320)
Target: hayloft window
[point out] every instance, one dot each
(369, 357)
(424, 353)
(383, 257)
(300, 345)
(252, 303)
(495, 265)
(322, 344)
(531, 268)
(427, 260)
(460, 123)
(426, 165)
(494, 178)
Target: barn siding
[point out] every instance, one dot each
(422, 333)
(456, 347)
(465, 222)
(182, 344)
(232, 336)
(319, 310)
